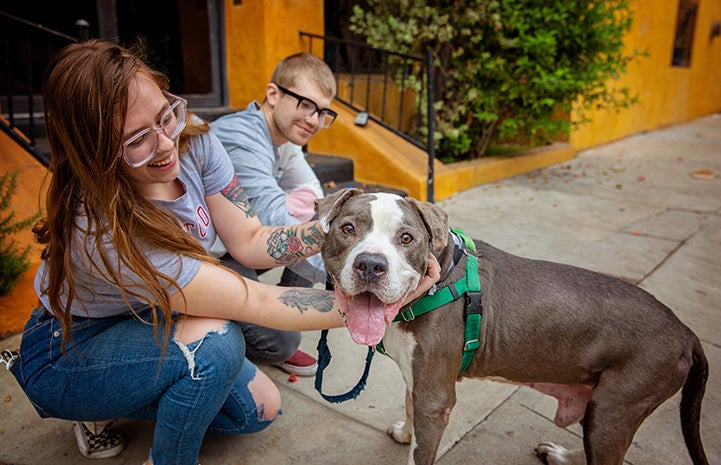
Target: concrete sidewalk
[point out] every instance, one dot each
(640, 208)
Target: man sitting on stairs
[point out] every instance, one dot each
(265, 142)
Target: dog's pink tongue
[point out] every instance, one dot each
(367, 317)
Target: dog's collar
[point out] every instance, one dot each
(469, 285)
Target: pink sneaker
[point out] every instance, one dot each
(300, 364)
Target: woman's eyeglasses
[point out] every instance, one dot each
(326, 116)
(140, 148)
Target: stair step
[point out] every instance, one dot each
(330, 187)
(43, 151)
(330, 167)
(212, 113)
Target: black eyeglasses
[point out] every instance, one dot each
(326, 116)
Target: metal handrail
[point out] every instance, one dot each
(26, 47)
(362, 63)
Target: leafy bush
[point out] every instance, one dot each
(507, 69)
(13, 261)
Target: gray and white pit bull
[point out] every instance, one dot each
(607, 350)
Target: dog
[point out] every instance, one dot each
(608, 351)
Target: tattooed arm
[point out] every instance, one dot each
(251, 243)
(217, 293)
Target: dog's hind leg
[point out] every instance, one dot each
(622, 399)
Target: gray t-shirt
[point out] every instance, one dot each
(205, 169)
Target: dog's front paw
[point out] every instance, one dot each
(400, 433)
(553, 454)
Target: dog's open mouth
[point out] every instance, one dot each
(366, 316)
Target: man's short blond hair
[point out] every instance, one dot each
(304, 64)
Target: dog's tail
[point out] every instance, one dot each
(691, 397)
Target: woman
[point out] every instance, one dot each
(136, 320)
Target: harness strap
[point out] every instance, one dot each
(470, 286)
(431, 302)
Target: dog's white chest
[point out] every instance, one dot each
(400, 346)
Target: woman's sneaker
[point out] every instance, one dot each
(98, 442)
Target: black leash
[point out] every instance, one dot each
(324, 357)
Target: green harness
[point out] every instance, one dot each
(470, 286)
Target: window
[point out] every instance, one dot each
(685, 27)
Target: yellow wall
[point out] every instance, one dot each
(29, 195)
(381, 157)
(667, 95)
(259, 33)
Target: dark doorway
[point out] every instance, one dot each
(179, 37)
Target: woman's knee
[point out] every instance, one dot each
(266, 395)
(214, 348)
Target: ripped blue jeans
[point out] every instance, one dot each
(115, 368)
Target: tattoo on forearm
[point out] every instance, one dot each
(285, 245)
(236, 194)
(312, 237)
(307, 299)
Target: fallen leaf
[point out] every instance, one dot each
(8, 399)
(703, 174)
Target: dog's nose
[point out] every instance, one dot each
(370, 266)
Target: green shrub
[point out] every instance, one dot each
(13, 261)
(507, 69)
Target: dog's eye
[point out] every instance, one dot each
(347, 229)
(406, 239)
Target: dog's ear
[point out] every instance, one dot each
(328, 207)
(436, 221)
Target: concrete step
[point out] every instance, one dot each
(329, 188)
(331, 167)
(336, 173)
(212, 113)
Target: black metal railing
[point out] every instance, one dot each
(393, 89)
(25, 48)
